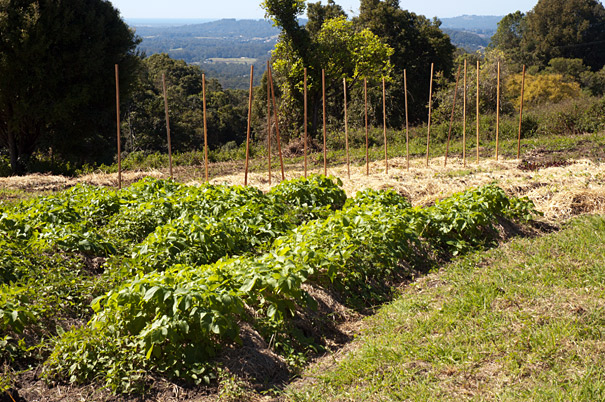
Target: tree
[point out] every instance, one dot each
(417, 42)
(510, 31)
(317, 14)
(509, 36)
(57, 76)
(566, 28)
(335, 45)
(145, 125)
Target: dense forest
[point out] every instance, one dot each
(57, 79)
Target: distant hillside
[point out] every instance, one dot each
(224, 48)
(469, 41)
(472, 23)
(225, 28)
(471, 32)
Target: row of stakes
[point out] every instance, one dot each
(271, 103)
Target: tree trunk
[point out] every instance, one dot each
(13, 152)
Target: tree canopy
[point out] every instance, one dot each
(381, 42)
(555, 29)
(57, 76)
(417, 42)
(145, 124)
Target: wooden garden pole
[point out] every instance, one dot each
(477, 111)
(407, 129)
(521, 114)
(281, 159)
(305, 119)
(118, 128)
(365, 101)
(323, 90)
(248, 129)
(269, 121)
(464, 120)
(449, 133)
(428, 133)
(167, 124)
(205, 125)
(497, 110)
(344, 82)
(384, 124)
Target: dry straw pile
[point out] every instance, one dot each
(559, 192)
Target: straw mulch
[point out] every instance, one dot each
(559, 192)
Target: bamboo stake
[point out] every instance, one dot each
(323, 89)
(118, 128)
(497, 111)
(167, 124)
(248, 128)
(428, 133)
(521, 114)
(449, 133)
(365, 100)
(205, 125)
(281, 160)
(464, 120)
(477, 111)
(305, 120)
(407, 129)
(344, 82)
(269, 121)
(384, 124)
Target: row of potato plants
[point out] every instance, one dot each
(48, 242)
(172, 318)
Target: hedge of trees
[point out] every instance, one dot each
(57, 86)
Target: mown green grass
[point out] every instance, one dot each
(525, 321)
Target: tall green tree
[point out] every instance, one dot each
(566, 28)
(417, 42)
(57, 76)
(509, 36)
(333, 44)
(145, 123)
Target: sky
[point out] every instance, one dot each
(250, 9)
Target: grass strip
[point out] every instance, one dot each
(521, 322)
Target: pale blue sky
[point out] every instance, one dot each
(250, 8)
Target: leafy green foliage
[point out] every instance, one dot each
(174, 317)
(187, 265)
(466, 220)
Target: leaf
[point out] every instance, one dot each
(150, 293)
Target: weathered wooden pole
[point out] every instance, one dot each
(428, 133)
(498, 111)
(269, 121)
(384, 124)
(248, 127)
(167, 124)
(323, 90)
(281, 159)
(449, 133)
(305, 119)
(464, 120)
(407, 128)
(521, 114)
(477, 111)
(344, 82)
(118, 128)
(365, 101)
(205, 125)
